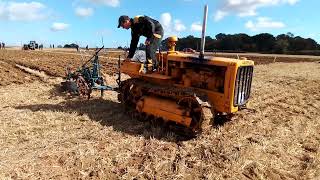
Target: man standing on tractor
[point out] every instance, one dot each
(152, 30)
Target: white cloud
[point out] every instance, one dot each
(220, 15)
(166, 20)
(171, 27)
(196, 26)
(22, 11)
(59, 26)
(179, 26)
(292, 2)
(244, 8)
(83, 12)
(112, 3)
(2, 10)
(264, 23)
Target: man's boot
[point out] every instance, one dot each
(155, 66)
(143, 69)
(146, 67)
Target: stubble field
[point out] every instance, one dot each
(46, 134)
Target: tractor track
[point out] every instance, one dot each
(132, 90)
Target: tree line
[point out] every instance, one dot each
(262, 43)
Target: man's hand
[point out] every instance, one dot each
(147, 43)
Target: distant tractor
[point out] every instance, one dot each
(31, 46)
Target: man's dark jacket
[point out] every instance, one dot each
(143, 26)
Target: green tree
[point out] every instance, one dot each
(265, 42)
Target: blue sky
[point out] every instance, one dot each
(86, 21)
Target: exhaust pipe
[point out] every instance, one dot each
(204, 27)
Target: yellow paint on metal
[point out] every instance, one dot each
(167, 109)
(187, 70)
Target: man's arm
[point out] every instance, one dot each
(133, 45)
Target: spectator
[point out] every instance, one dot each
(0, 45)
(87, 48)
(53, 46)
(3, 45)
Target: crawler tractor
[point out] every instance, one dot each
(185, 85)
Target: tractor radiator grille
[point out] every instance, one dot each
(243, 85)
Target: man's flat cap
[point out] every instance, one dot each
(122, 19)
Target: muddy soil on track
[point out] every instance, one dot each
(47, 134)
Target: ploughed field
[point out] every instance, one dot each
(47, 134)
(52, 63)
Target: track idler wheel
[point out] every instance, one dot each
(124, 95)
(194, 110)
(201, 115)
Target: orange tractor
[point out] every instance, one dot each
(185, 85)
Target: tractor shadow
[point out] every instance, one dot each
(108, 113)
(220, 120)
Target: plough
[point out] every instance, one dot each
(86, 78)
